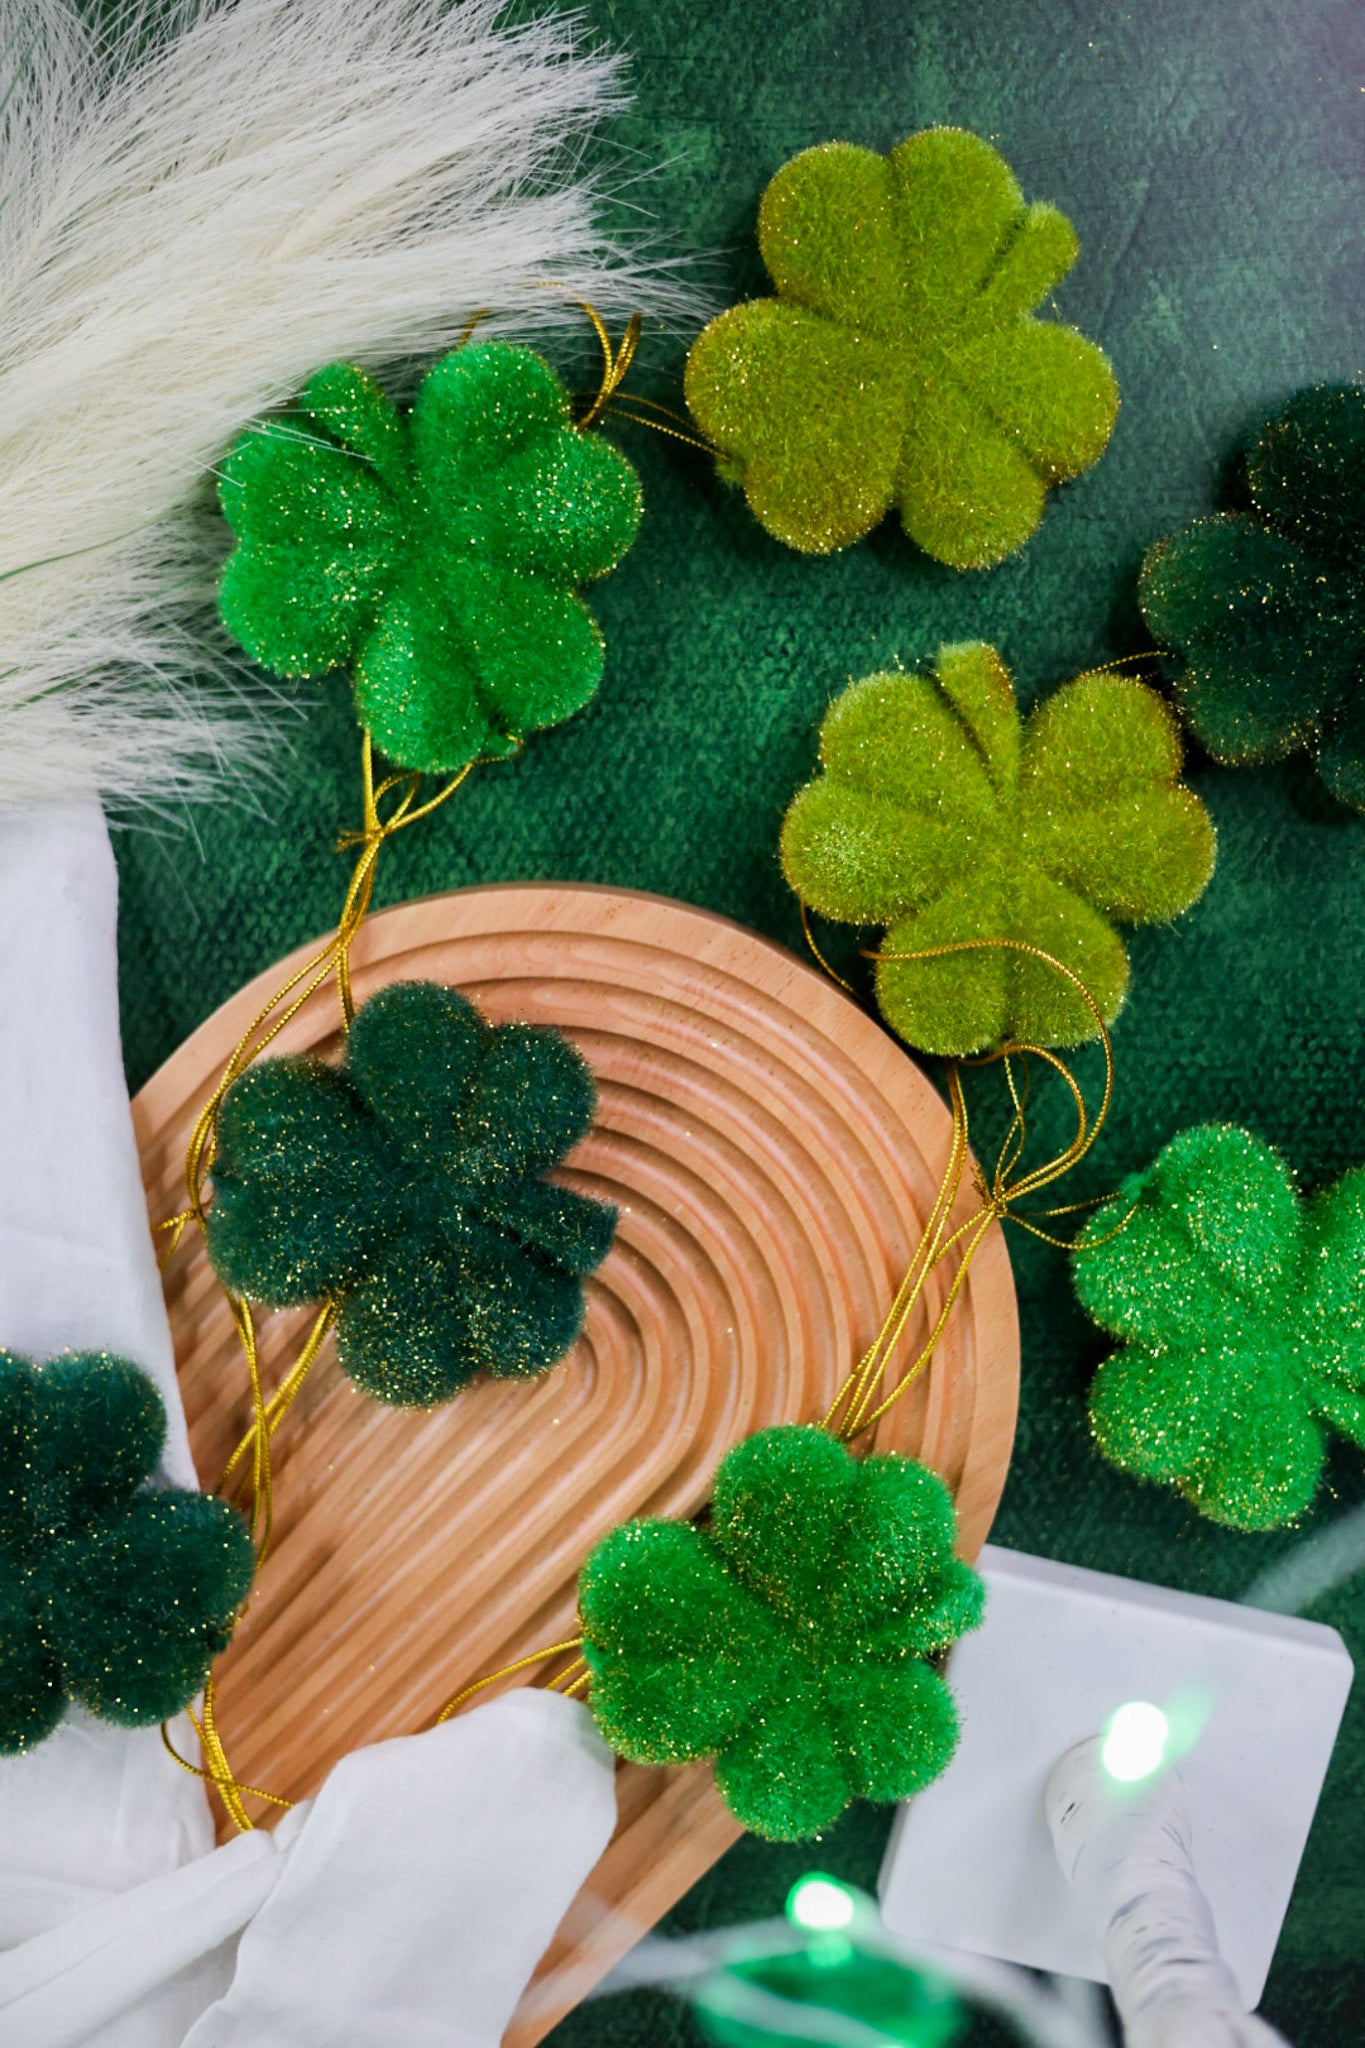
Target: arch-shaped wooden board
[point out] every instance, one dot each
(774, 1155)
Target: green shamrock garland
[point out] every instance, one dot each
(900, 363)
(435, 554)
(407, 1187)
(1242, 1315)
(942, 817)
(114, 1595)
(1266, 611)
(787, 1639)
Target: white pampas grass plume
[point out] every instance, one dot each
(198, 208)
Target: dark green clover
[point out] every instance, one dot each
(1265, 611)
(436, 553)
(790, 1638)
(407, 1186)
(113, 1594)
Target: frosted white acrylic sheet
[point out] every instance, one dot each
(1258, 1696)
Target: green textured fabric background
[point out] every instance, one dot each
(1211, 159)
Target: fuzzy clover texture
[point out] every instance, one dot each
(900, 362)
(407, 1187)
(1242, 1314)
(113, 1594)
(1264, 612)
(435, 554)
(944, 818)
(788, 1639)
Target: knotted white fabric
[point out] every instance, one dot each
(411, 1900)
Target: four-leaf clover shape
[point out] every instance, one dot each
(1266, 611)
(113, 1594)
(787, 1639)
(943, 818)
(435, 554)
(407, 1187)
(1242, 1314)
(900, 363)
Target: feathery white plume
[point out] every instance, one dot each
(197, 209)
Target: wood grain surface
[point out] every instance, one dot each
(774, 1154)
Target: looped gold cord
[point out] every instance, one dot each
(378, 827)
(831, 971)
(856, 1407)
(614, 363)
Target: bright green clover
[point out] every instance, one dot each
(1242, 1315)
(435, 553)
(942, 817)
(113, 1593)
(788, 1638)
(1265, 611)
(408, 1187)
(900, 363)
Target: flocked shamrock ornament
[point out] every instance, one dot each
(788, 1638)
(943, 818)
(1242, 1315)
(900, 363)
(112, 1594)
(435, 554)
(407, 1186)
(1265, 611)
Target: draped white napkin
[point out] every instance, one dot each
(412, 1899)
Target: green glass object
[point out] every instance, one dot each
(113, 1594)
(789, 1638)
(1265, 611)
(435, 553)
(408, 1186)
(943, 817)
(1241, 1310)
(900, 363)
(905, 2007)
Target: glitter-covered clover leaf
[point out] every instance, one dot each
(436, 554)
(900, 363)
(1242, 1314)
(115, 1595)
(1265, 611)
(407, 1187)
(788, 1638)
(942, 817)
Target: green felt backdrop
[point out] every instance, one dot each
(1210, 157)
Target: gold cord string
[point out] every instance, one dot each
(615, 363)
(574, 1643)
(382, 818)
(856, 1407)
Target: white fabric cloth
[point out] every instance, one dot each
(410, 1901)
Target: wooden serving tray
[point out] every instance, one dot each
(774, 1154)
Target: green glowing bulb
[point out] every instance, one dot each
(821, 1904)
(1135, 1742)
